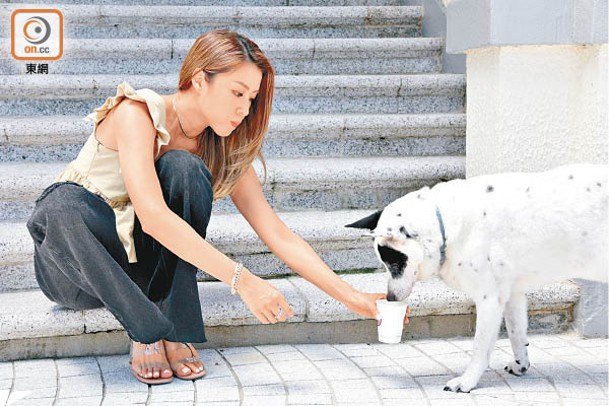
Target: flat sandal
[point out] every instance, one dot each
(192, 359)
(149, 349)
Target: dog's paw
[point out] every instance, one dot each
(460, 384)
(517, 368)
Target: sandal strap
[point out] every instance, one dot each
(190, 359)
(147, 349)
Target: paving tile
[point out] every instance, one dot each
(371, 361)
(256, 374)
(35, 368)
(123, 382)
(580, 391)
(522, 384)
(310, 399)
(422, 366)
(77, 386)
(403, 393)
(319, 352)
(286, 356)
(41, 393)
(551, 398)
(264, 401)
(438, 348)
(391, 371)
(29, 402)
(264, 390)
(6, 370)
(4, 396)
(210, 393)
(175, 397)
(77, 366)
(340, 370)
(274, 349)
(206, 403)
(297, 370)
(394, 382)
(244, 358)
(354, 391)
(320, 387)
(398, 351)
(112, 399)
(81, 401)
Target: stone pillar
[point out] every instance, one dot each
(536, 95)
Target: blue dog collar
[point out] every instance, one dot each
(443, 247)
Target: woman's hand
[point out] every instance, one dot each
(263, 299)
(365, 303)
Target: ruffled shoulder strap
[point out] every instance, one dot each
(154, 102)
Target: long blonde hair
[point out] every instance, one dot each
(227, 158)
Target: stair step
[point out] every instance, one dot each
(379, 94)
(59, 138)
(342, 248)
(292, 184)
(33, 327)
(134, 21)
(311, 56)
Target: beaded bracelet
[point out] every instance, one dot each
(236, 276)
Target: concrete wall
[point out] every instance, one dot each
(532, 108)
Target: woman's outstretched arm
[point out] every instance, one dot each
(295, 252)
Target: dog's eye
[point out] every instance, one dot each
(407, 234)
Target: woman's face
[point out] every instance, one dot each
(225, 99)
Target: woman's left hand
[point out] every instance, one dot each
(365, 303)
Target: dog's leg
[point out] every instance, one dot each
(516, 322)
(488, 319)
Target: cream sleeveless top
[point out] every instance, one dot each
(97, 168)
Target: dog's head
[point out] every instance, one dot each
(407, 240)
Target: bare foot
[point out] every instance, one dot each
(149, 363)
(184, 360)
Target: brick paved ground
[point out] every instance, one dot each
(566, 370)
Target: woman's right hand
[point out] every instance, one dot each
(264, 300)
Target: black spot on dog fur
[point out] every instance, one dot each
(399, 214)
(484, 297)
(599, 184)
(584, 234)
(587, 189)
(489, 188)
(570, 177)
(484, 213)
(395, 260)
(518, 362)
(526, 345)
(459, 264)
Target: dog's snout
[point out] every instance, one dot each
(391, 297)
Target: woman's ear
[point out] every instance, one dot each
(199, 79)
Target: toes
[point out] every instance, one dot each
(166, 373)
(195, 367)
(156, 372)
(183, 370)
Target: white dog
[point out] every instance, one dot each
(497, 237)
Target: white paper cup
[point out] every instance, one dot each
(390, 321)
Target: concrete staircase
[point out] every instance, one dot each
(362, 115)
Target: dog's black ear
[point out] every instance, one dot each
(368, 222)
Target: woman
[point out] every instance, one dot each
(124, 225)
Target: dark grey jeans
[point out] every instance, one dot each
(80, 262)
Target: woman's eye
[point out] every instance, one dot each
(238, 94)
